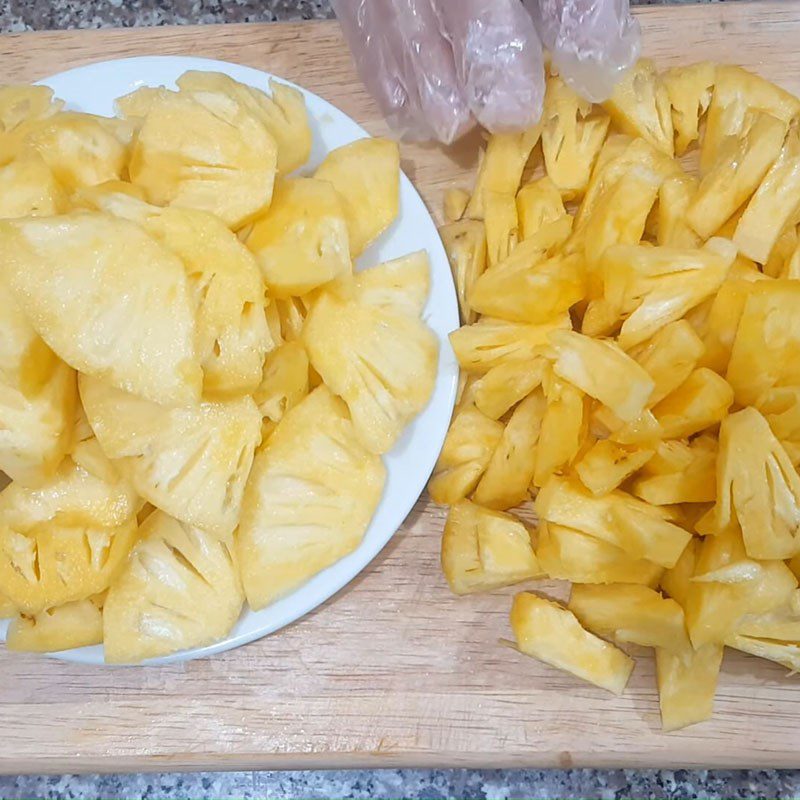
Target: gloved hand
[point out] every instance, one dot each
(435, 67)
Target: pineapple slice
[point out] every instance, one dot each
(538, 203)
(641, 530)
(124, 314)
(29, 188)
(401, 285)
(206, 151)
(603, 371)
(630, 613)
(310, 498)
(674, 197)
(484, 550)
(757, 483)
(571, 138)
(283, 114)
(640, 106)
(21, 103)
(669, 357)
(773, 205)
(180, 588)
(687, 683)
(680, 473)
(75, 624)
(191, 462)
(301, 242)
(689, 90)
(548, 631)
(283, 385)
(467, 450)
(366, 174)
(506, 384)
(488, 342)
(382, 363)
(701, 401)
(501, 167)
(501, 224)
(465, 245)
(567, 554)
(53, 564)
(510, 470)
(739, 169)
(607, 464)
(455, 203)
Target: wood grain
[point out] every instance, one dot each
(393, 671)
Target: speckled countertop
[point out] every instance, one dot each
(18, 15)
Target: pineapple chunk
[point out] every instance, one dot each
(506, 384)
(124, 313)
(689, 90)
(630, 613)
(465, 245)
(206, 151)
(283, 114)
(547, 631)
(29, 188)
(607, 464)
(680, 473)
(76, 624)
(20, 103)
(502, 165)
(741, 166)
(283, 385)
(781, 409)
(677, 580)
(401, 285)
(757, 482)
(780, 624)
(191, 462)
(641, 530)
(640, 106)
(674, 197)
(701, 401)
(484, 550)
(455, 203)
(302, 241)
(179, 589)
(538, 203)
(568, 554)
(136, 105)
(488, 342)
(787, 654)
(571, 138)
(722, 323)
(687, 682)
(382, 363)
(603, 371)
(644, 431)
(310, 498)
(773, 205)
(53, 564)
(467, 450)
(510, 470)
(500, 221)
(366, 173)
(782, 255)
(669, 357)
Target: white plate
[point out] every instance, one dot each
(93, 88)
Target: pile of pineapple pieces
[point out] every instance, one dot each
(631, 354)
(195, 387)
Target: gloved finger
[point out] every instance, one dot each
(406, 65)
(498, 59)
(592, 42)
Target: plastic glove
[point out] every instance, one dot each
(435, 67)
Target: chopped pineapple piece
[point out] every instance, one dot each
(137, 104)
(502, 165)
(29, 188)
(787, 654)
(779, 261)
(301, 242)
(722, 323)
(455, 203)
(510, 470)
(283, 385)
(677, 580)
(484, 550)
(20, 103)
(500, 221)
(630, 613)
(640, 106)
(179, 589)
(366, 173)
(571, 138)
(674, 197)
(547, 631)
(465, 245)
(538, 203)
(607, 464)
(644, 431)
(76, 624)
(467, 450)
(780, 624)
(567, 554)
(506, 384)
(701, 401)
(309, 500)
(680, 473)
(781, 409)
(401, 285)
(689, 90)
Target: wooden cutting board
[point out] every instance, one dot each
(393, 671)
